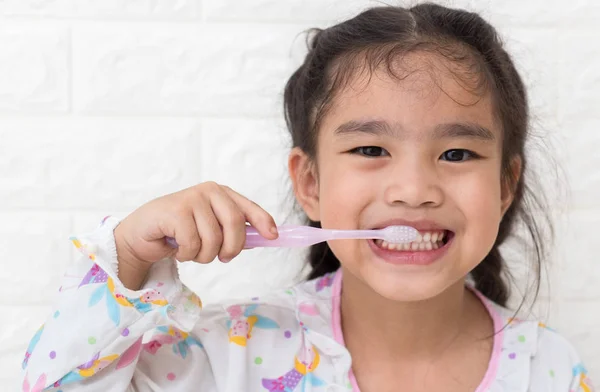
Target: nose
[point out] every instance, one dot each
(414, 185)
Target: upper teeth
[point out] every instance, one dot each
(426, 240)
(430, 236)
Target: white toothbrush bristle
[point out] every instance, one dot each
(400, 234)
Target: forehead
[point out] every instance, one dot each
(425, 90)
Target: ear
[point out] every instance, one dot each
(305, 182)
(509, 184)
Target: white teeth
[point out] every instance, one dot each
(430, 236)
(425, 241)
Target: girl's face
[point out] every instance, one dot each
(422, 151)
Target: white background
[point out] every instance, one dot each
(107, 104)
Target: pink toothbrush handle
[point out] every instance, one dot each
(290, 236)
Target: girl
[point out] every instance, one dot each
(398, 116)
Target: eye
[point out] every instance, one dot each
(458, 155)
(370, 151)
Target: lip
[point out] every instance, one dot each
(419, 258)
(421, 225)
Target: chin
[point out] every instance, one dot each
(405, 287)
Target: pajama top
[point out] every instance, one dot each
(103, 337)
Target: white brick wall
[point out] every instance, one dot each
(157, 85)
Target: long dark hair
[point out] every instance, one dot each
(378, 36)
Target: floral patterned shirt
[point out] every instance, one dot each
(102, 336)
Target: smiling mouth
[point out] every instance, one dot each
(426, 241)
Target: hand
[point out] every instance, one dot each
(207, 221)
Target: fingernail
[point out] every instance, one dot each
(273, 230)
(225, 260)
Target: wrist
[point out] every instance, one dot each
(132, 275)
(132, 271)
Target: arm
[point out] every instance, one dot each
(93, 338)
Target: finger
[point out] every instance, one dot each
(210, 231)
(232, 222)
(183, 230)
(255, 215)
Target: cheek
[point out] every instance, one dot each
(342, 194)
(478, 197)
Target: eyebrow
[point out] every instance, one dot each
(466, 130)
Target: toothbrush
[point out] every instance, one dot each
(292, 236)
